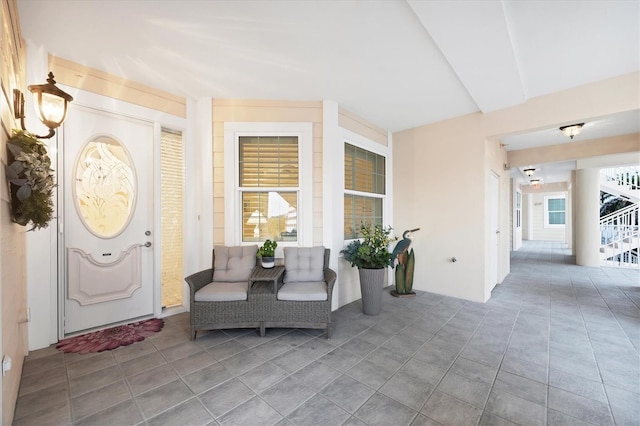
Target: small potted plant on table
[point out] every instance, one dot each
(267, 253)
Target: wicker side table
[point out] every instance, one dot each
(260, 274)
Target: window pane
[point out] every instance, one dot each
(104, 187)
(363, 170)
(269, 215)
(556, 204)
(359, 210)
(556, 218)
(172, 186)
(268, 161)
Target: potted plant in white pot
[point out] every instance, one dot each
(267, 254)
(371, 256)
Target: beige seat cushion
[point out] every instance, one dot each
(303, 291)
(235, 263)
(222, 292)
(304, 264)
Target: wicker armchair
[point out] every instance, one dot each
(219, 295)
(304, 298)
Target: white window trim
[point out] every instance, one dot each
(360, 141)
(546, 211)
(233, 197)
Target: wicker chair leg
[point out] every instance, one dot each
(262, 329)
(193, 333)
(328, 330)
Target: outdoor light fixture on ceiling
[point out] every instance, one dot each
(572, 129)
(529, 172)
(535, 183)
(50, 102)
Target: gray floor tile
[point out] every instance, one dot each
(381, 410)
(292, 361)
(225, 397)
(152, 378)
(407, 389)
(99, 399)
(144, 362)
(263, 376)
(208, 377)
(226, 350)
(592, 389)
(58, 413)
(190, 412)
(448, 410)
(474, 370)
(316, 375)
(347, 393)
(473, 392)
(515, 409)
(97, 379)
(126, 353)
(125, 413)
(255, 411)
(242, 362)
(522, 387)
(182, 350)
(533, 328)
(318, 411)
(162, 398)
(89, 365)
(588, 410)
(287, 395)
(191, 363)
(340, 359)
(556, 418)
(358, 346)
(44, 379)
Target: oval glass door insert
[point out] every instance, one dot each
(104, 186)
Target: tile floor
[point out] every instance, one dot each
(556, 344)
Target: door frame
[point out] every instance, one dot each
(159, 120)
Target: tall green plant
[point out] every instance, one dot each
(372, 251)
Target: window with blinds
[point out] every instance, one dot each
(172, 188)
(269, 185)
(364, 184)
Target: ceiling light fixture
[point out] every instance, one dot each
(535, 183)
(572, 130)
(529, 172)
(51, 104)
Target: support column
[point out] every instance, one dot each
(587, 214)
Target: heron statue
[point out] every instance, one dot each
(406, 265)
(402, 246)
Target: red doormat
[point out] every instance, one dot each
(111, 338)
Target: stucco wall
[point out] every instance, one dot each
(13, 284)
(440, 178)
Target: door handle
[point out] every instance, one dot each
(147, 244)
(497, 232)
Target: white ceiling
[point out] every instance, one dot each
(398, 63)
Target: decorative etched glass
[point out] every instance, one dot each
(104, 186)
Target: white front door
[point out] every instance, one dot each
(108, 219)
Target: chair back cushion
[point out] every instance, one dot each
(303, 264)
(233, 264)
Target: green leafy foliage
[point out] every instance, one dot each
(372, 251)
(268, 249)
(30, 179)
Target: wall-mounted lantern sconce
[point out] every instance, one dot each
(50, 102)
